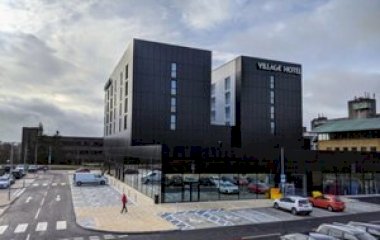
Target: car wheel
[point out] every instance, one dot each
(294, 211)
(330, 209)
(102, 183)
(275, 205)
(79, 183)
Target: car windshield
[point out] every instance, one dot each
(365, 236)
(303, 201)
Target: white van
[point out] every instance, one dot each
(152, 177)
(92, 178)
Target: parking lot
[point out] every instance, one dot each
(188, 220)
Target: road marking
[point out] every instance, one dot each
(28, 199)
(45, 184)
(61, 225)
(78, 238)
(261, 236)
(38, 212)
(107, 237)
(21, 228)
(54, 184)
(58, 198)
(123, 236)
(94, 238)
(3, 228)
(41, 227)
(63, 184)
(27, 238)
(42, 202)
(35, 184)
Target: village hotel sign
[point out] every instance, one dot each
(278, 68)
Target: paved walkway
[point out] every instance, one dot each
(103, 211)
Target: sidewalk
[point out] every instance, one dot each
(145, 216)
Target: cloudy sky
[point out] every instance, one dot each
(55, 56)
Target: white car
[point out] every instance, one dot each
(4, 182)
(294, 204)
(228, 187)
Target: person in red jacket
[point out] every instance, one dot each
(124, 200)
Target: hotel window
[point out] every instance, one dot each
(354, 149)
(173, 86)
(363, 149)
(227, 113)
(111, 89)
(272, 112)
(345, 148)
(121, 92)
(372, 149)
(125, 122)
(120, 109)
(126, 88)
(173, 104)
(227, 83)
(272, 97)
(120, 120)
(272, 128)
(173, 122)
(213, 89)
(121, 78)
(126, 105)
(213, 115)
(228, 98)
(213, 103)
(126, 71)
(271, 82)
(174, 70)
(336, 149)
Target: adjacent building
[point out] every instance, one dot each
(360, 132)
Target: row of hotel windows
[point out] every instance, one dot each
(173, 98)
(353, 149)
(111, 99)
(227, 101)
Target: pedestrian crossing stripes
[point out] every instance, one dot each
(61, 225)
(2, 229)
(21, 228)
(55, 184)
(41, 227)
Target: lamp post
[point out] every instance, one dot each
(10, 172)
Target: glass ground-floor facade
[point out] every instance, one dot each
(238, 178)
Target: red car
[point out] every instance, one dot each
(330, 202)
(258, 188)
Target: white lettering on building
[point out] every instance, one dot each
(278, 68)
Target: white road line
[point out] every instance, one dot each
(78, 238)
(261, 236)
(54, 184)
(63, 184)
(35, 184)
(38, 212)
(41, 227)
(108, 237)
(3, 228)
(58, 198)
(61, 225)
(42, 202)
(28, 199)
(21, 228)
(94, 238)
(27, 237)
(123, 236)
(44, 184)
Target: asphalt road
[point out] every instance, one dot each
(44, 211)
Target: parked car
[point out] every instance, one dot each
(258, 188)
(17, 173)
(131, 171)
(310, 236)
(370, 228)
(152, 177)
(33, 168)
(10, 178)
(42, 167)
(344, 232)
(4, 182)
(228, 179)
(205, 181)
(294, 204)
(329, 202)
(241, 180)
(216, 180)
(22, 168)
(82, 170)
(228, 187)
(176, 180)
(89, 178)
